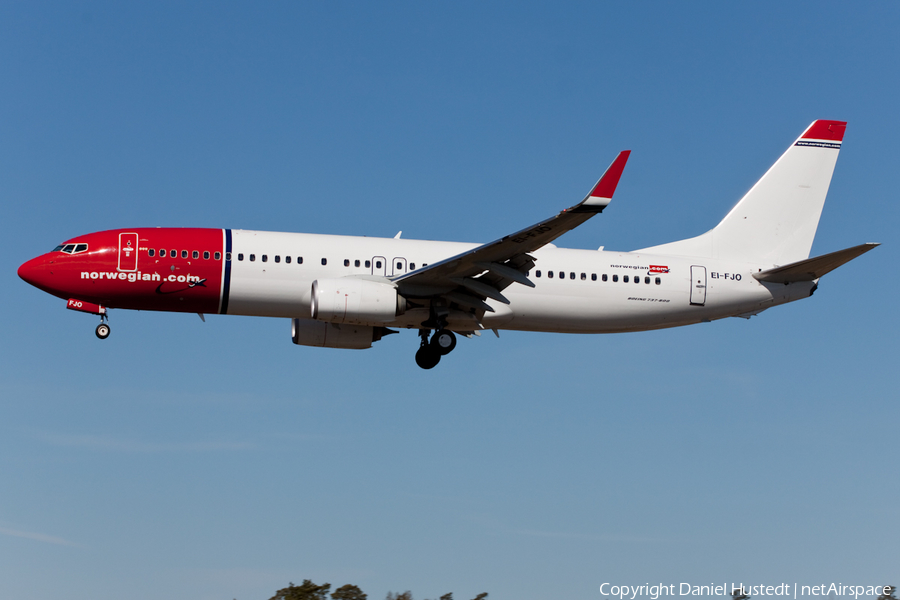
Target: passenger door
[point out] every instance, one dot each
(128, 251)
(698, 285)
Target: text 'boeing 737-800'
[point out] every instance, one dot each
(348, 292)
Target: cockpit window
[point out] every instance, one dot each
(71, 248)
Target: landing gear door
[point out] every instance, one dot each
(399, 266)
(698, 285)
(128, 251)
(379, 266)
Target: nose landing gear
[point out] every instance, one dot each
(429, 353)
(102, 331)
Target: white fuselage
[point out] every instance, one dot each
(598, 292)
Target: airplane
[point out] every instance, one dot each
(348, 292)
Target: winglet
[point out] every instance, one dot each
(603, 191)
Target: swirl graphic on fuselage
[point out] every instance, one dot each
(192, 284)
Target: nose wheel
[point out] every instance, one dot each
(430, 352)
(103, 330)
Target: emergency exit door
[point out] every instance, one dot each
(379, 266)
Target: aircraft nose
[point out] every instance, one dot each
(36, 272)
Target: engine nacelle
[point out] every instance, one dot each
(357, 301)
(306, 332)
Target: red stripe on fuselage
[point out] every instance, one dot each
(180, 283)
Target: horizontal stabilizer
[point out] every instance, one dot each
(813, 268)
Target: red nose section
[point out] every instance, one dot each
(38, 272)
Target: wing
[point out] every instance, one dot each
(469, 278)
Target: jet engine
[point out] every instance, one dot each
(306, 332)
(355, 301)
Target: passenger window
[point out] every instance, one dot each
(299, 260)
(658, 281)
(562, 275)
(616, 278)
(324, 261)
(424, 265)
(184, 254)
(377, 264)
(584, 276)
(647, 280)
(412, 266)
(151, 252)
(550, 274)
(195, 254)
(287, 260)
(571, 275)
(368, 264)
(277, 258)
(173, 253)
(356, 263)
(252, 257)
(162, 253)
(206, 255)
(593, 277)
(265, 257)
(625, 279)
(227, 256)
(637, 278)
(346, 262)
(537, 273)
(399, 266)
(218, 255)
(241, 256)
(603, 277)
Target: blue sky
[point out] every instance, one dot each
(182, 459)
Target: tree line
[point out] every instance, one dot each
(311, 591)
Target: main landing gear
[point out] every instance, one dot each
(430, 352)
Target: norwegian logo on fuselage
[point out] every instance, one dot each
(659, 269)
